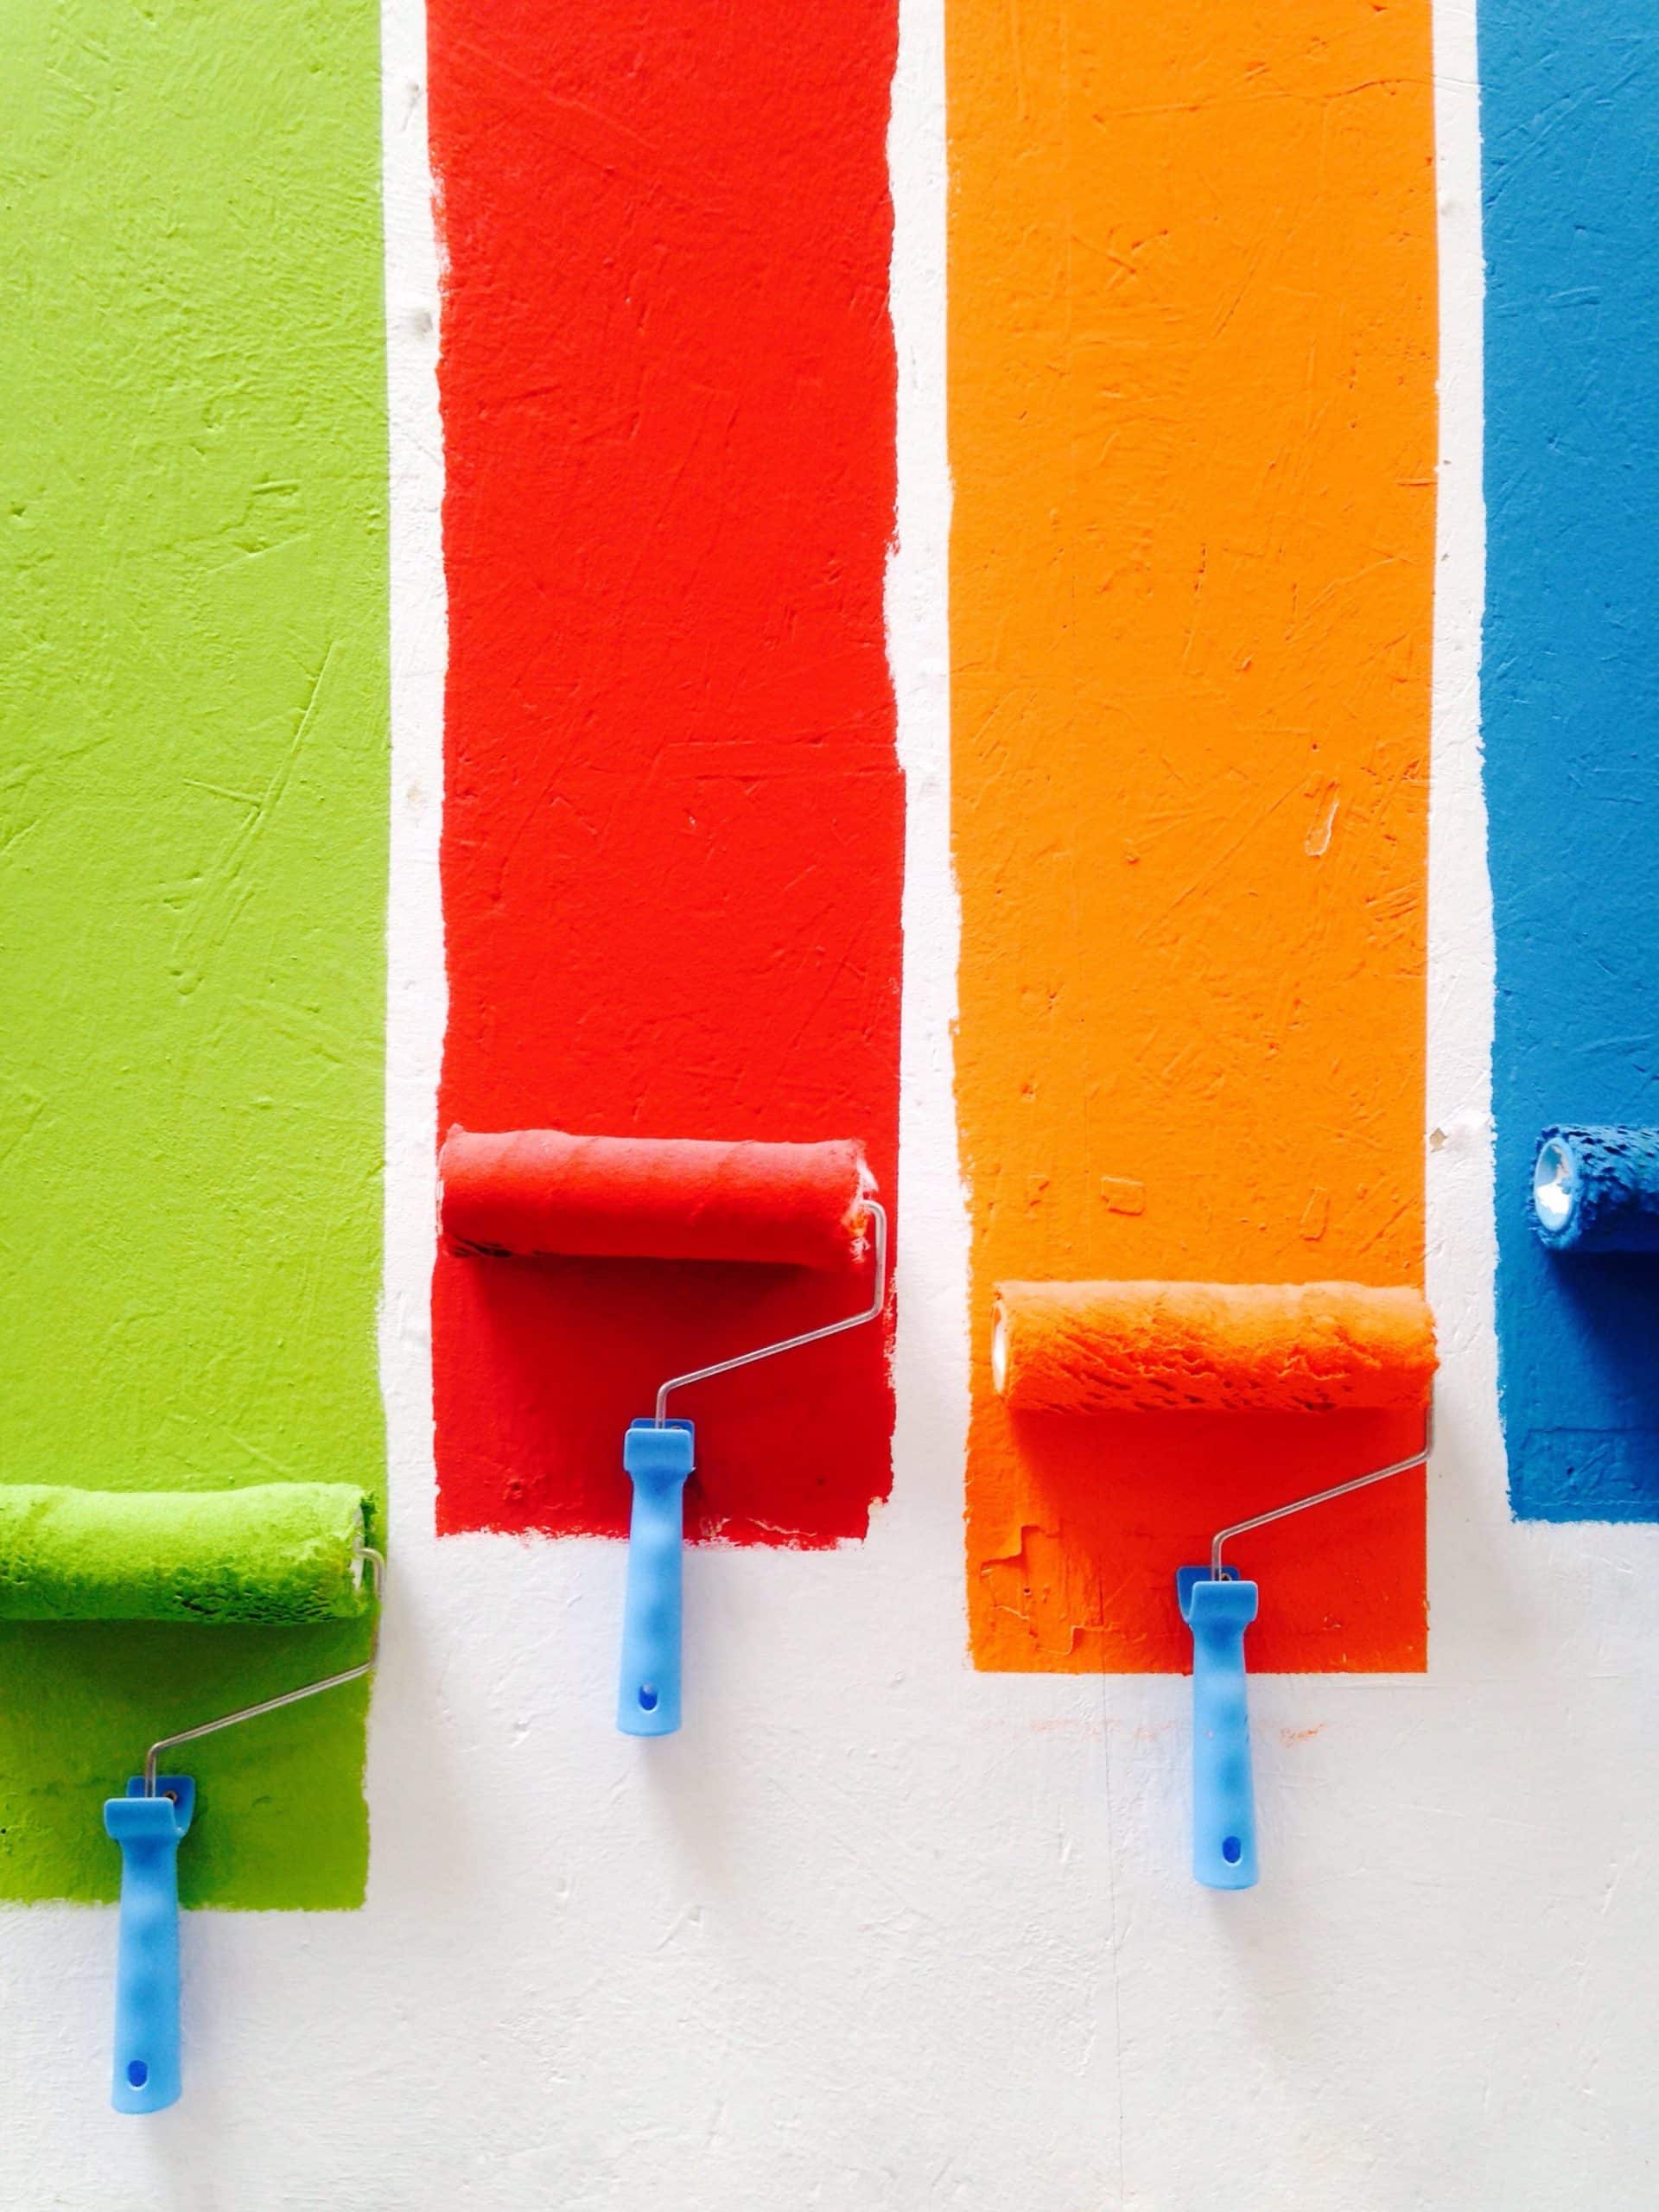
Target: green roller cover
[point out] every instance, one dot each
(274, 1553)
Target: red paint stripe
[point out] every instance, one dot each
(673, 829)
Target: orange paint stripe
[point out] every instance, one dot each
(1193, 336)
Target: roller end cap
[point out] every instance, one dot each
(1555, 1190)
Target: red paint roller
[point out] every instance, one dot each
(536, 1192)
(1173, 1347)
(542, 1193)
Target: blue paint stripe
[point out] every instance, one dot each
(1570, 697)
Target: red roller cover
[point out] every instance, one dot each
(536, 1191)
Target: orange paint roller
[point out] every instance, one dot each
(1087, 1348)
(1210, 1347)
(542, 1193)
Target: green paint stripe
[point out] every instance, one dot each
(193, 872)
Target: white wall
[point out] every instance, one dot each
(876, 1931)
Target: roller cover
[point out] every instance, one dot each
(540, 1191)
(273, 1552)
(1605, 1184)
(1115, 1347)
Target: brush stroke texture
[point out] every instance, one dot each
(1569, 693)
(193, 871)
(1192, 333)
(673, 830)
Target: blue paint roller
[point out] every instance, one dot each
(1596, 1189)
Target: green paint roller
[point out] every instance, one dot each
(274, 1554)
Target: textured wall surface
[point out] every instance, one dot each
(881, 1932)
(193, 872)
(1193, 349)
(1570, 113)
(673, 819)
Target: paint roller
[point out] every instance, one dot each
(545, 1193)
(1090, 1348)
(1595, 1188)
(272, 1554)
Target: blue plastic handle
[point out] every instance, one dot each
(659, 1461)
(147, 1829)
(1223, 1794)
